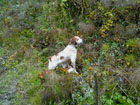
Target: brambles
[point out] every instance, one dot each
(33, 30)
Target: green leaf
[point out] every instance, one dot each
(129, 101)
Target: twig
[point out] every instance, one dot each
(96, 88)
(114, 89)
(123, 91)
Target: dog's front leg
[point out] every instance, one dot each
(52, 66)
(73, 61)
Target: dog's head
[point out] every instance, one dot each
(76, 40)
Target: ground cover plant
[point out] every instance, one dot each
(33, 30)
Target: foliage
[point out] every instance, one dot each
(32, 30)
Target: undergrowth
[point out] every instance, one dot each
(32, 30)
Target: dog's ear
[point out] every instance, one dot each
(73, 41)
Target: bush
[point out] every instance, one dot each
(33, 30)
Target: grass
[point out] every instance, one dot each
(30, 31)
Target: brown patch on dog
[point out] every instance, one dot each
(50, 58)
(67, 67)
(73, 40)
(57, 54)
(62, 57)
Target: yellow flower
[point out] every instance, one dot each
(91, 14)
(89, 59)
(127, 45)
(39, 60)
(103, 35)
(78, 95)
(46, 62)
(99, 74)
(71, 20)
(64, 70)
(12, 56)
(47, 38)
(41, 75)
(25, 48)
(90, 68)
(6, 20)
(102, 30)
(110, 14)
(77, 32)
(128, 63)
(31, 46)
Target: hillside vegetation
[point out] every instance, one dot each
(33, 30)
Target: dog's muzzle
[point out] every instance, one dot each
(82, 42)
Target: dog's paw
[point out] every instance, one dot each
(76, 72)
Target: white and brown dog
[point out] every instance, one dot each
(68, 54)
